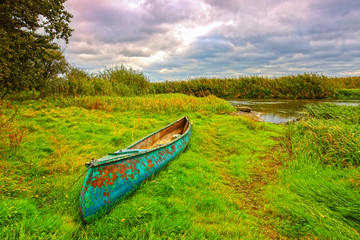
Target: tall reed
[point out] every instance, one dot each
(122, 81)
(329, 136)
(301, 86)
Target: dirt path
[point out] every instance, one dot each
(254, 202)
(251, 192)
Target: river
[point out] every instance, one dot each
(282, 110)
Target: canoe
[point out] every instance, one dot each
(111, 178)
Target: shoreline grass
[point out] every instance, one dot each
(347, 94)
(319, 190)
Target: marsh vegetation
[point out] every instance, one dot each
(127, 82)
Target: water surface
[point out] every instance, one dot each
(282, 110)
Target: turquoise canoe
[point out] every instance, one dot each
(113, 177)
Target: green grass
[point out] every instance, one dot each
(319, 189)
(234, 181)
(194, 197)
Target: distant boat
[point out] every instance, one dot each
(113, 177)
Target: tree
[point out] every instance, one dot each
(28, 52)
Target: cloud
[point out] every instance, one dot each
(182, 39)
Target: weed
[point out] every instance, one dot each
(16, 138)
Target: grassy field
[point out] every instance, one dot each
(205, 193)
(238, 179)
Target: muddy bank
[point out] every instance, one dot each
(254, 115)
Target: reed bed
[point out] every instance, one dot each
(126, 82)
(331, 134)
(301, 86)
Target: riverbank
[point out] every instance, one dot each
(233, 181)
(255, 116)
(282, 110)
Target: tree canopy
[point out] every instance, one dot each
(29, 55)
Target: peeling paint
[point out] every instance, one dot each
(106, 184)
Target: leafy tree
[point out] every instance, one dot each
(28, 54)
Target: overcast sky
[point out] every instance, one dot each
(181, 39)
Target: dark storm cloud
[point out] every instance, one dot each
(114, 24)
(333, 8)
(182, 39)
(169, 12)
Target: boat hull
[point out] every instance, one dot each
(106, 184)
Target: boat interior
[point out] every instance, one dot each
(164, 136)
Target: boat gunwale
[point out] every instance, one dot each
(96, 163)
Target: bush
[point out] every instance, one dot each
(119, 81)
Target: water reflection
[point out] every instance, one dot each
(280, 110)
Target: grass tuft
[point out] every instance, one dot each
(318, 194)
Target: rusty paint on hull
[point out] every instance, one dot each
(105, 184)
